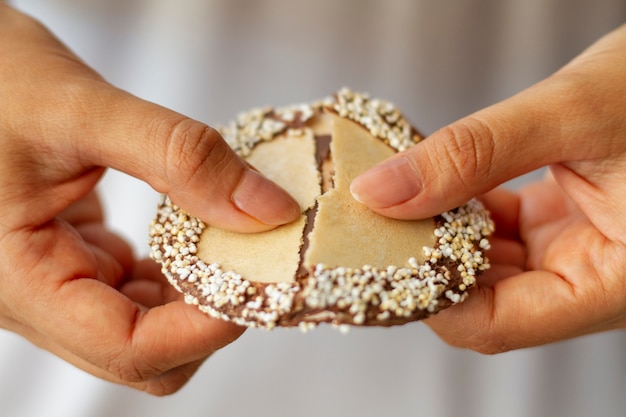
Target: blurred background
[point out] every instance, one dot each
(438, 61)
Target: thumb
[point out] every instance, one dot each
(187, 160)
(74, 122)
(470, 156)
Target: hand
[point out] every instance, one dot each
(69, 285)
(559, 253)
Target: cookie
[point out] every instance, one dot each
(340, 262)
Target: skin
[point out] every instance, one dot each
(68, 284)
(72, 287)
(559, 253)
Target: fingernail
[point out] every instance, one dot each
(386, 185)
(262, 199)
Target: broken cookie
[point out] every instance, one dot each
(339, 262)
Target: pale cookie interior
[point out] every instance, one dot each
(348, 234)
(289, 161)
(272, 256)
(345, 232)
(261, 257)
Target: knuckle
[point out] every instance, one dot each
(492, 345)
(130, 366)
(123, 368)
(482, 333)
(148, 377)
(130, 372)
(466, 150)
(191, 148)
(167, 384)
(484, 342)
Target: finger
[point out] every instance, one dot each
(110, 271)
(462, 160)
(569, 298)
(545, 214)
(148, 270)
(529, 309)
(149, 293)
(166, 383)
(504, 208)
(498, 272)
(172, 380)
(131, 344)
(548, 123)
(507, 252)
(60, 298)
(185, 159)
(86, 210)
(598, 201)
(543, 202)
(117, 249)
(148, 287)
(193, 335)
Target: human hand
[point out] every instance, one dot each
(559, 253)
(69, 285)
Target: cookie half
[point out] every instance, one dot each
(340, 262)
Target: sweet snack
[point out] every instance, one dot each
(340, 262)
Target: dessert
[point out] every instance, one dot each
(340, 262)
